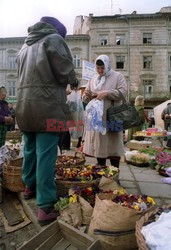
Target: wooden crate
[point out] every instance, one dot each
(60, 236)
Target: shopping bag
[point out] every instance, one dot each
(123, 116)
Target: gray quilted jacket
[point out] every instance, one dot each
(45, 68)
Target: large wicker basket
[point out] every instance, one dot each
(12, 173)
(140, 223)
(64, 186)
(72, 160)
(17, 162)
(14, 135)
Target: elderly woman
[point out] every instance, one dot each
(104, 85)
(5, 116)
(139, 105)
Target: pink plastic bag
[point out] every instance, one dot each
(168, 171)
(167, 180)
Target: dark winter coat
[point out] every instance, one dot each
(45, 68)
(4, 111)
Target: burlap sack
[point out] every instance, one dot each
(110, 216)
(72, 214)
(107, 184)
(87, 211)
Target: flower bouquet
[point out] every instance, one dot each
(140, 160)
(83, 176)
(69, 160)
(70, 210)
(134, 201)
(85, 173)
(163, 160)
(153, 151)
(113, 220)
(88, 193)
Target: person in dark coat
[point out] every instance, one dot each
(166, 117)
(5, 116)
(139, 105)
(12, 110)
(45, 67)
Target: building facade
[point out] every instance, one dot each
(9, 47)
(139, 46)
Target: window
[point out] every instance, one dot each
(147, 62)
(170, 86)
(1, 58)
(11, 88)
(148, 89)
(169, 38)
(103, 40)
(77, 60)
(120, 39)
(148, 86)
(170, 62)
(120, 62)
(147, 38)
(11, 61)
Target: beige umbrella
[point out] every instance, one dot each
(157, 114)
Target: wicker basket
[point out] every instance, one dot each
(17, 162)
(12, 177)
(140, 223)
(14, 135)
(141, 165)
(77, 160)
(64, 186)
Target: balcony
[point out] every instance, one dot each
(153, 97)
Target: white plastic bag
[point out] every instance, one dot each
(77, 110)
(74, 102)
(157, 234)
(94, 113)
(4, 155)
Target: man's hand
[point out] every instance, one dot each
(8, 120)
(88, 94)
(75, 83)
(101, 95)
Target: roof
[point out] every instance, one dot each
(133, 16)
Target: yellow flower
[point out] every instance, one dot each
(139, 200)
(150, 200)
(89, 167)
(111, 173)
(101, 172)
(121, 191)
(90, 189)
(136, 207)
(73, 198)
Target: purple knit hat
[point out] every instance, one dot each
(55, 23)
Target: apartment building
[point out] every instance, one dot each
(9, 47)
(139, 46)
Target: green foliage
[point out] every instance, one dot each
(62, 203)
